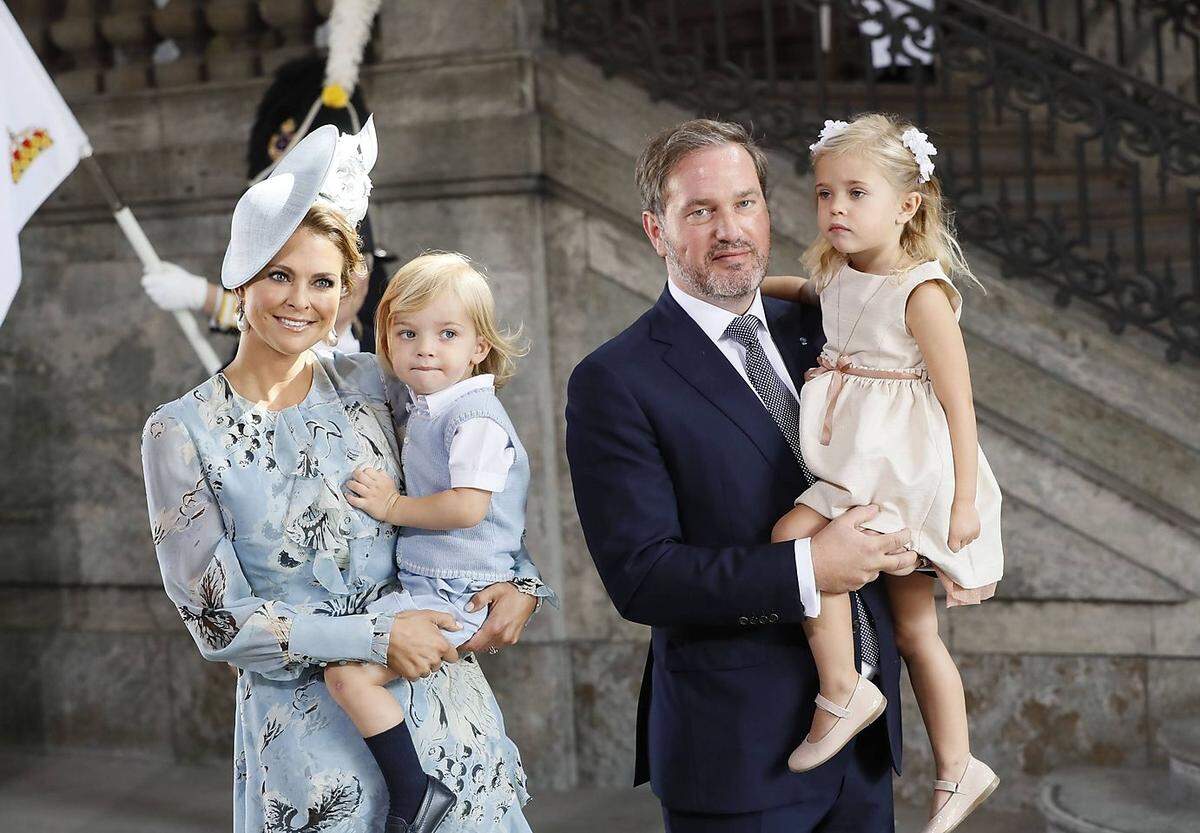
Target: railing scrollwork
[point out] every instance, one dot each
(1071, 170)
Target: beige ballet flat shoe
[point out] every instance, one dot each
(977, 783)
(866, 703)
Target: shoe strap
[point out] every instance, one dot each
(951, 786)
(832, 707)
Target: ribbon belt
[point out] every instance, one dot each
(840, 370)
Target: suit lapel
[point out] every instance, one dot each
(693, 356)
(786, 339)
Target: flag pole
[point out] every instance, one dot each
(149, 258)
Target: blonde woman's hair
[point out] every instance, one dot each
(929, 235)
(327, 222)
(429, 276)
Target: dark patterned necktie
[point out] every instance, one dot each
(779, 402)
(785, 411)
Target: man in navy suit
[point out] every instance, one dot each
(681, 466)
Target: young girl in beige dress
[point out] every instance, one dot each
(887, 420)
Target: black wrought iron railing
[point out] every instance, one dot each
(1158, 40)
(1072, 171)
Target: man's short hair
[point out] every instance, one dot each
(665, 150)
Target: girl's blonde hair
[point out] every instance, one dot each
(433, 274)
(929, 235)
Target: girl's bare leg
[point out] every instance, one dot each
(359, 689)
(830, 635)
(934, 676)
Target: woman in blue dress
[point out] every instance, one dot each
(272, 570)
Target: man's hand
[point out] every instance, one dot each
(845, 557)
(417, 647)
(509, 610)
(372, 491)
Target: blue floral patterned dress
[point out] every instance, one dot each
(272, 571)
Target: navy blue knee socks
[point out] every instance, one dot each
(397, 758)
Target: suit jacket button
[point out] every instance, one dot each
(742, 620)
(773, 618)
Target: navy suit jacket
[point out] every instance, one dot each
(679, 475)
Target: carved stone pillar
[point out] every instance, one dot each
(126, 27)
(233, 52)
(77, 35)
(180, 23)
(291, 24)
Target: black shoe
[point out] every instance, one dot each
(438, 801)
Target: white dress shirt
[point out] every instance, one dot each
(480, 451)
(714, 321)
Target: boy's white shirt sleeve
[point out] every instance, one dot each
(480, 456)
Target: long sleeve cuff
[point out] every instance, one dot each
(809, 596)
(534, 586)
(320, 640)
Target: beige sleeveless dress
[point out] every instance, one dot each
(874, 432)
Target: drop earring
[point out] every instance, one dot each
(242, 324)
(332, 338)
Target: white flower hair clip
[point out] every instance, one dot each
(922, 149)
(832, 128)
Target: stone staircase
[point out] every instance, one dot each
(1095, 203)
(1122, 800)
(1092, 437)
(1054, 195)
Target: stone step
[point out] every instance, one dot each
(1117, 800)
(1180, 739)
(1046, 559)
(1118, 550)
(1076, 426)
(1074, 345)
(1102, 188)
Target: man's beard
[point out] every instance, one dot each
(735, 282)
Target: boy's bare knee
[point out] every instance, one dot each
(343, 681)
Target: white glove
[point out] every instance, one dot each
(174, 288)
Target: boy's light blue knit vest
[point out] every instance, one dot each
(485, 551)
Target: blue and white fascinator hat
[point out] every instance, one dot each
(325, 166)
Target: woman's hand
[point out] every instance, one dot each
(964, 524)
(812, 373)
(417, 647)
(509, 610)
(372, 491)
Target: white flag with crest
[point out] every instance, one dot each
(44, 142)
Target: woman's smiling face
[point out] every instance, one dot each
(293, 302)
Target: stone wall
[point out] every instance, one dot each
(497, 146)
